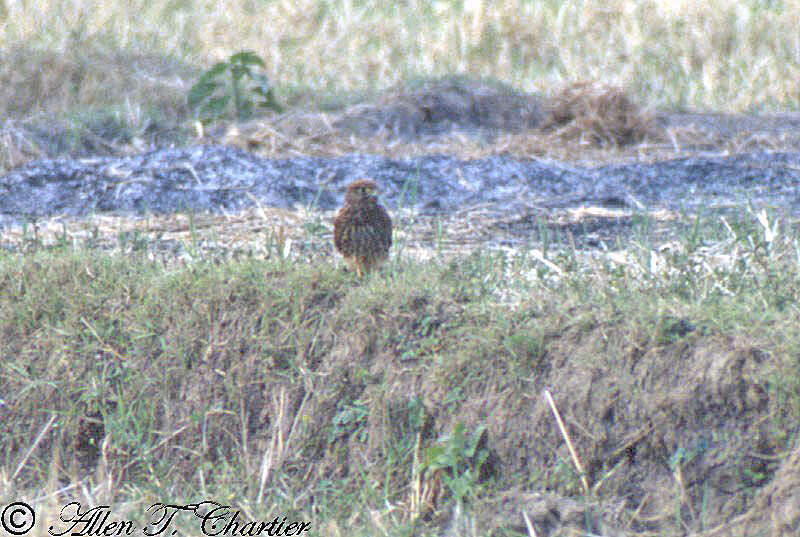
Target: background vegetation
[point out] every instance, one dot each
(725, 56)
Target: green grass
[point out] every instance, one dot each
(287, 388)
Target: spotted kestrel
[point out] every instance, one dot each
(362, 231)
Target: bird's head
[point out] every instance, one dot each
(361, 191)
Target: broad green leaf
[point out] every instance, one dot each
(217, 105)
(200, 92)
(247, 57)
(216, 70)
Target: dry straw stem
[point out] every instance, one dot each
(423, 489)
(33, 446)
(274, 455)
(564, 433)
(416, 480)
(284, 429)
(529, 524)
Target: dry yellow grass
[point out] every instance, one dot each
(720, 55)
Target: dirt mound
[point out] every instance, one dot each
(586, 122)
(446, 113)
(669, 425)
(673, 429)
(441, 106)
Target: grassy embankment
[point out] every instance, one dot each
(265, 383)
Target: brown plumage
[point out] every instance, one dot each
(362, 231)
